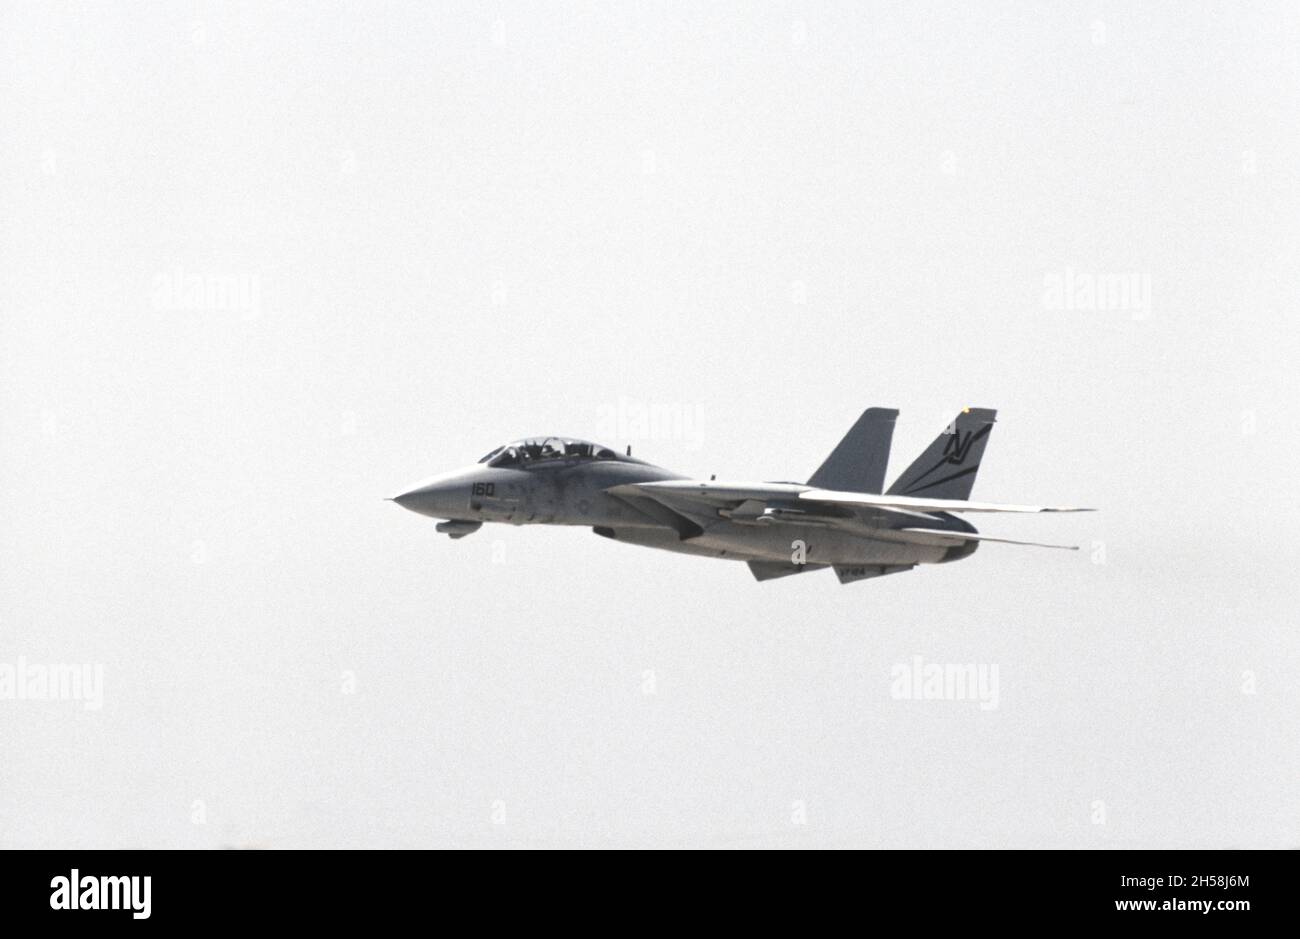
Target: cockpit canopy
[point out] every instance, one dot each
(534, 451)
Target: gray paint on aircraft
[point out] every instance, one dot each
(779, 529)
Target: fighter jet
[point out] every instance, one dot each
(842, 518)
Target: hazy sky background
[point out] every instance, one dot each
(419, 231)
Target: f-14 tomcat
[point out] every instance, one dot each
(842, 518)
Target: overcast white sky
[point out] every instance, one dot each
(417, 232)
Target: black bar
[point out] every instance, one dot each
(335, 889)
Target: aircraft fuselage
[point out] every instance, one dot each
(574, 492)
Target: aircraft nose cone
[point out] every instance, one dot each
(440, 497)
(406, 500)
